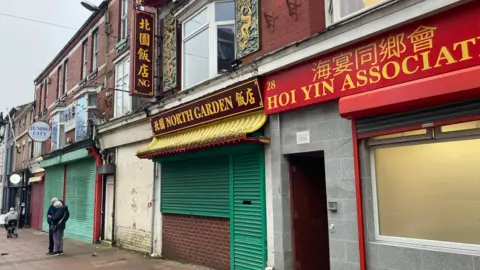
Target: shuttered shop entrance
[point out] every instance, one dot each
(229, 183)
(36, 205)
(80, 191)
(53, 188)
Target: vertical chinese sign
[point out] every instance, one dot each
(142, 53)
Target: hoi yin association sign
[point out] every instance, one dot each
(234, 101)
(40, 131)
(142, 52)
(436, 45)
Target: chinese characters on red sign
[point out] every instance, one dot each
(433, 46)
(142, 52)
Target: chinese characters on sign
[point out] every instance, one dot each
(142, 52)
(412, 52)
(240, 99)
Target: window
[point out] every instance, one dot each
(59, 81)
(426, 191)
(340, 9)
(37, 149)
(40, 104)
(94, 50)
(123, 100)
(124, 18)
(208, 33)
(58, 132)
(45, 92)
(81, 119)
(65, 77)
(84, 59)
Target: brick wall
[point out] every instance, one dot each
(132, 238)
(199, 240)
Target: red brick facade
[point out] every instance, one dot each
(199, 240)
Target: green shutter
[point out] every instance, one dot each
(53, 188)
(247, 223)
(79, 197)
(196, 187)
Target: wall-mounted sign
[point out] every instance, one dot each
(142, 53)
(237, 100)
(40, 131)
(15, 179)
(416, 51)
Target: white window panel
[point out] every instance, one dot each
(342, 9)
(123, 100)
(208, 42)
(124, 18)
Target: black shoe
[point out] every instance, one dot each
(50, 253)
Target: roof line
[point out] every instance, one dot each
(102, 8)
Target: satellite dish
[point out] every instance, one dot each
(90, 6)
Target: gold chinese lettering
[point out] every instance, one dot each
(366, 54)
(322, 70)
(392, 46)
(144, 24)
(161, 123)
(422, 38)
(156, 126)
(144, 39)
(342, 63)
(247, 99)
(144, 72)
(143, 55)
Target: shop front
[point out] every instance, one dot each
(70, 176)
(392, 128)
(210, 155)
(18, 195)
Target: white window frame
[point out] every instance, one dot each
(60, 81)
(85, 110)
(85, 59)
(333, 10)
(413, 242)
(60, 130)
(65, 77)
(212, 25)
(124, 87)
(95, 50)
(124, 19)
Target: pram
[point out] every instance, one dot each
(12, 228)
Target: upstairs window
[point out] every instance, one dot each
(81, 119)
(59, 81)
(94, 50)
(124, 19)
(65, 77)
(58, 131)
(123, 100)
(341, 9)
(208, 42)
(84, 59)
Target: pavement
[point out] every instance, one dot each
(28, 252)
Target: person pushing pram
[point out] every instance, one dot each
(11, 222)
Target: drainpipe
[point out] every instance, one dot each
(154, 210)
(358, 192)
(97, 209)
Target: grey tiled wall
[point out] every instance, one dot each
(381, 256)
(332, 134)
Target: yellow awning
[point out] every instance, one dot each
(35, 179)
(223, 131)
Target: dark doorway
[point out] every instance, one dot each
(309, 212)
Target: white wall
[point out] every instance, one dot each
(133, 193)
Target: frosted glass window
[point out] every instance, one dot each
(195, 23)
(196, 53)
(429, 191)
(351, 6)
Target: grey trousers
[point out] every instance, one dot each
(58, 240)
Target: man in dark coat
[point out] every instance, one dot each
(59, 220)
(50, 213)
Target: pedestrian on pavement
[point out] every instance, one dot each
(59, 219)
(12, 215)
(50, 213)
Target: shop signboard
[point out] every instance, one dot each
(142, 53)
(234, 101)
(435, 45)
(40, 131)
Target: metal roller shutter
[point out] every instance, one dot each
(53, 188)
(80, 191)
(247, 224)
(196, 187)
(421, 116)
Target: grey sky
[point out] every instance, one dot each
(26, 48)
